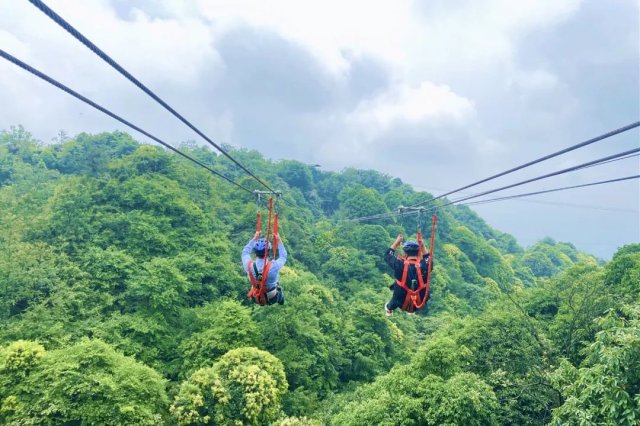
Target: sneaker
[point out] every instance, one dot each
(388, 312)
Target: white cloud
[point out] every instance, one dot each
(404, 119)
(158, 49)
(535, 81)
(12, 43)
(166, 54)
(459, 81)
(465, 39)
(405, 33)
(326, 28)
(426, 102)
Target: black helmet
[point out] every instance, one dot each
(411, 248)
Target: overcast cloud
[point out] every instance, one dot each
(439, 93)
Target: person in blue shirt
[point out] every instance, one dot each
(260, 248)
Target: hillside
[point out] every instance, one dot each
(121, 288)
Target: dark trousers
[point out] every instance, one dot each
(399, 294)
(278, 298)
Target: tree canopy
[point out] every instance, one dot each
(123, 301)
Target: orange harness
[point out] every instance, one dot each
(259, 287)
(258, 290)
(413, 301)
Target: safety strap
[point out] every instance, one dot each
(258, 287)
(413, 301)
(275, 231)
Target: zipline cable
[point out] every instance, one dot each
(603, 160)
(75, 94)
(528, 194)
(509, 197)
(546, 191)
(593, 165)
(583, 166)
(562, 204)
(615, 159)
(516, 196)
(95, 49)
(539, 160)
(578, 206)
(559, 172)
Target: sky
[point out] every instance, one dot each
(440, 93)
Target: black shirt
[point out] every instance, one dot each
(398, 265)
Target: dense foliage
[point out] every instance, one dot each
(123, 301)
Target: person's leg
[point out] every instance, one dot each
(280, 296)
(388, 312)
(397, 299)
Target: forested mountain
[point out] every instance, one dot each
(123, 301)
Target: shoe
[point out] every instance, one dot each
(388, 312)
(280, 296)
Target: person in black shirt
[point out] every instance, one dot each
(412, 251)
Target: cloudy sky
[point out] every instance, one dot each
(439, 93)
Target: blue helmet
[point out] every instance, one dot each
(411, 247)
(260, 246)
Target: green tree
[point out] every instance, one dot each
(298, 421)
(128, 244)
(406, 398)
(225, 326)
(606, 388)
(346, 263)
(582, 298)
(369, 179)
(509, 353)
(244, 386)
(304, 334)
(87, 383)
(28, 275)
(358, 201)
(487, 260)
(622, 274)
(539, 264)
(464, 399)
(90, 154)
(295, 174)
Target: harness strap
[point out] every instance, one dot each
(259, 222)
(412, 300)
(258, 287)
(275, 231)
(430, 263)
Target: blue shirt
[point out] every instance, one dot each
(276, 265)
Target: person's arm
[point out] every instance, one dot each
(246, 251)
(282, 253)
(423, 251)
(397, 242)
(424, 263)
(390, 255)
